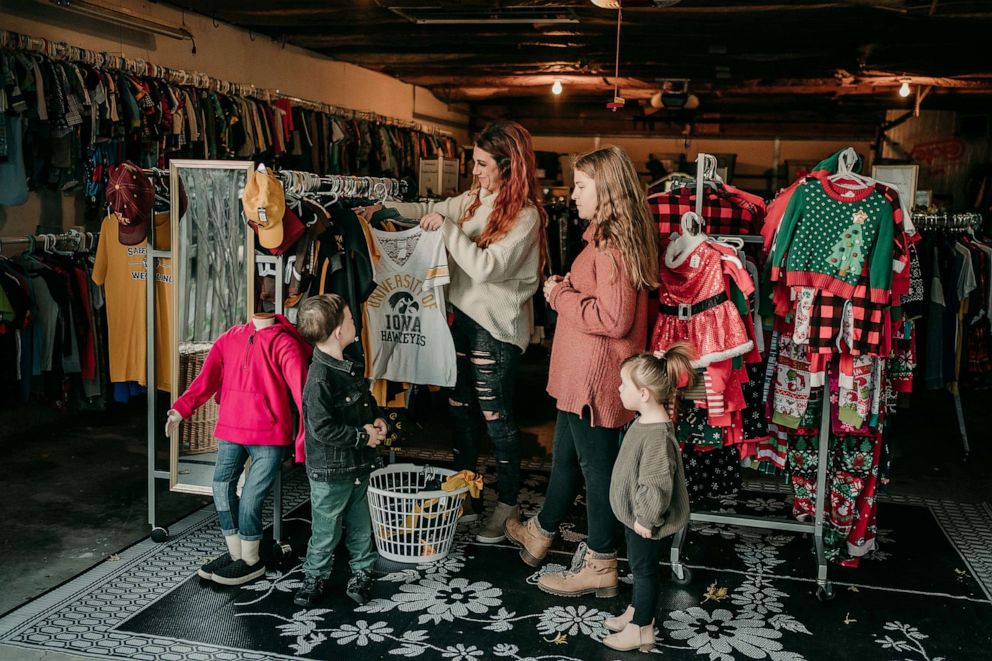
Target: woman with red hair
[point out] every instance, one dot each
(495, 236)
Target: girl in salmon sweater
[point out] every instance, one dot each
(602, 319)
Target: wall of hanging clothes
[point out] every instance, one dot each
(67, 115)
(953, 301)
(52, 331)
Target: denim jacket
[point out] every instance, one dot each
(337, 405)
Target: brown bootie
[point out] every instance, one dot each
(617, 624)
(591, 572)
(532, 540)
(631, 638)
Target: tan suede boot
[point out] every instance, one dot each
(493, 533)
(591, 572)
(534, 541)
(631, 638)
(616, 624)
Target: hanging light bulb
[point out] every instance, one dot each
(556, 88)
(904, 88)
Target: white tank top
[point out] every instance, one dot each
(408, 324)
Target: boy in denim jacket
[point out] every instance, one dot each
(343, 425)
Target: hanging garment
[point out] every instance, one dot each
(408, 329)
(830, 235)
(696, 307)
(121, 271)
(256, 375)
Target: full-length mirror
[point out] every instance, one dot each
(214, 254)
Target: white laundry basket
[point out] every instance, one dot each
(412, 525)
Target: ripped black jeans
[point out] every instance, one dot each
(482, 402)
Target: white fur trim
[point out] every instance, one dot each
(710, 358)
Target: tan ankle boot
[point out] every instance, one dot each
(493, 533)
(631, 638)
(616, 624)
(533, 541)
(591, 572)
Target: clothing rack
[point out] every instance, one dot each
(63, 51)
(953, 223)
(706, 164)
(299, 182)
(84, 241)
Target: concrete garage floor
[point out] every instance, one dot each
(74, 484)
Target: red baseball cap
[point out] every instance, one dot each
(131, 198)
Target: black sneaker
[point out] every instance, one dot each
(359, 586)
(311, 592)
(208, 568)
(238, 573)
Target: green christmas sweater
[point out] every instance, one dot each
(827, 240)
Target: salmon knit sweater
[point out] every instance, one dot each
(602, 321)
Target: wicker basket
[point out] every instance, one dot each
(196, 434)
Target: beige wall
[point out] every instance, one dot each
(225, 53)
(754, 157)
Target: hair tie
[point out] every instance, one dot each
(659, 354)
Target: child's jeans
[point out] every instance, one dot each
(642, 556)
(243, 516)
(333, 504)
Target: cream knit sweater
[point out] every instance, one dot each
(492, 285)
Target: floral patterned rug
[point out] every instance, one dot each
(752, 596)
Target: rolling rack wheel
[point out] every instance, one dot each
(684, 579)
(160, 534)
(825, 592)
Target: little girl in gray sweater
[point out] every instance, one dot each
(647, 489)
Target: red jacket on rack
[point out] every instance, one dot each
(253, 373)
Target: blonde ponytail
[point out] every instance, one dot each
(664, 372)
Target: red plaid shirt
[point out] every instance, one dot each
(723, 211)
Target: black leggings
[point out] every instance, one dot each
(643, 556)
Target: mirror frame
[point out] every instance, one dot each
(174, 167)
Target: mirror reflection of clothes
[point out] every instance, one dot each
(121, 271)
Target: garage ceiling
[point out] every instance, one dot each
(756, 66)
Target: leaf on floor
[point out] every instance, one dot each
(114, 557)
(713, 593)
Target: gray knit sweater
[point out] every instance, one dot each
(648, 483)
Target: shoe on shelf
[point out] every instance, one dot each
(208, 568)
(311, 592)
(360, 586)
(238, 573)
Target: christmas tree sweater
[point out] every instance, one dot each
(830, 235)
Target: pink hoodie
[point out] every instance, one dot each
(252, 373)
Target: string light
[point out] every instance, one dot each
(904, 88)
(556, 88)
